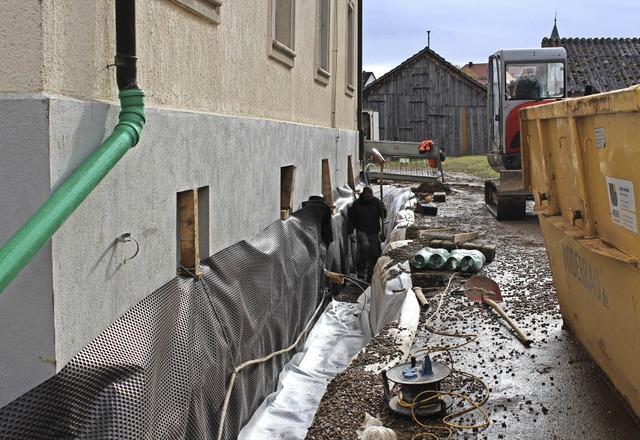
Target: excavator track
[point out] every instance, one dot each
(504, 205)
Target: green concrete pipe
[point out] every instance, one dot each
(25, 243)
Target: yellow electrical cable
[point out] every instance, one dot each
(449, 426)
(420, 401)
(472, 336)
(442, 296)
(421, 436)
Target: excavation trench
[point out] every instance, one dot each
(550, 390)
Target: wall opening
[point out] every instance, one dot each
(287, 181)
(203, 222)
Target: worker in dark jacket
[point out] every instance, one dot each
(365, 216)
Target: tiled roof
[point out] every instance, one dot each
(604, 63)
(480, 72)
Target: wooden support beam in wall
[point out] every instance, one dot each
(287, 183)
(188, 222)
(351, 181)
(327, 188)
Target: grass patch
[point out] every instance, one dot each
(474, 165)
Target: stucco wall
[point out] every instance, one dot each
(238, 158)
(21, 41)
(188, 62)
(221, 113)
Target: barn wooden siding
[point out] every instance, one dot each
(428, 98)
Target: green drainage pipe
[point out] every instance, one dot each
(24, 244)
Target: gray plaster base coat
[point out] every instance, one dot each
(238, 158)
(27, 354)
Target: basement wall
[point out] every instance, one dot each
(78, 284)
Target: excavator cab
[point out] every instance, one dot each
(518, 78)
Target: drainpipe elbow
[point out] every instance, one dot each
(132, 116)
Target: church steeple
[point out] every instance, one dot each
(554, 32)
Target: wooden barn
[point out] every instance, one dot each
(427, 97)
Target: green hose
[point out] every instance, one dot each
(20, 249)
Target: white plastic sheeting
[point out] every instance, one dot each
(340, 333)
(332, 343)
(395, 200)
(385, 304)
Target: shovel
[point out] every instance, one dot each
(485, 290)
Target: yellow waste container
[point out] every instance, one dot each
(581, 160)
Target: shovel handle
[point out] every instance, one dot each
(523, 338)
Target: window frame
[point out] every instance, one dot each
(209, 9)
(323, 42)
(279, 50)
(350, 68)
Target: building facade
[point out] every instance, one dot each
(244, 98)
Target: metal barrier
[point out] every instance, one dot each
(403, 161)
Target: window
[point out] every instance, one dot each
(351, 50)
(322, 49)
(532, 80)
(209, 9)
(283, 31)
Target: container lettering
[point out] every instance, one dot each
(584, 272)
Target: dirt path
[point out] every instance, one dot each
(548, 391)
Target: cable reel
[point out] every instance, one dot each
(421, 381)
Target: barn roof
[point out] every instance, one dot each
(604, 63)
(428, 53)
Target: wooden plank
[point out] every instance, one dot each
(327, 188)
(454, 237)
(188, 221)
(413, 234)
(351, 180)
(287, 184)
(465, 140)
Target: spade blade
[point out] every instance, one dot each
(480, 288)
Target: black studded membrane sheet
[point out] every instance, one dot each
(162, 369)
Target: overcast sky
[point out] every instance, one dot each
(471, 30)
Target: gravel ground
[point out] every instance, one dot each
(548, 391)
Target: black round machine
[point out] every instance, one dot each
(413, 380)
